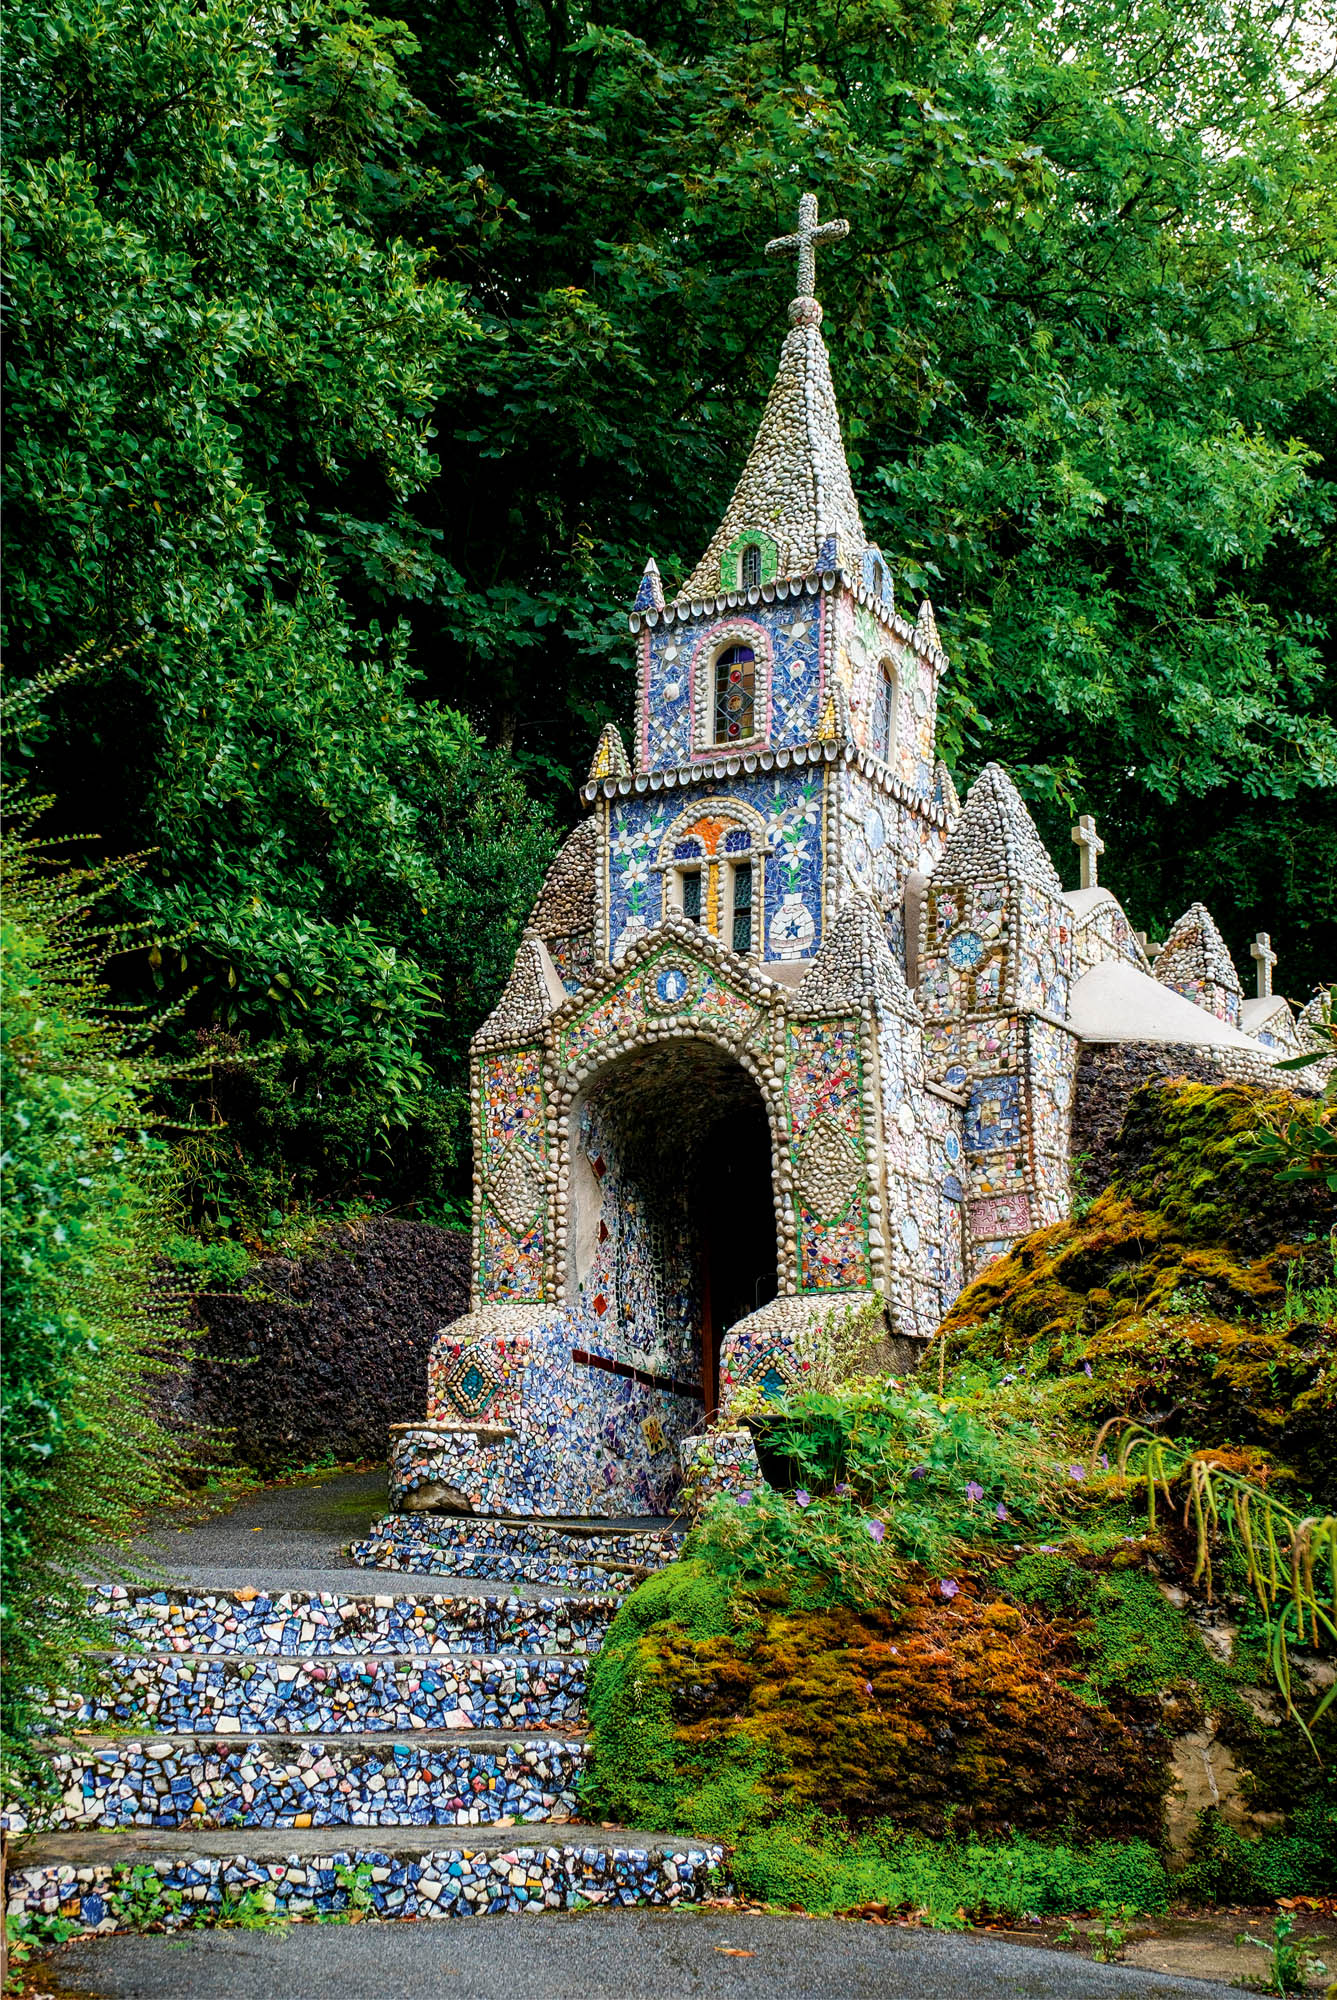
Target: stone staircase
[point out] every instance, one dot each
(415, 1753)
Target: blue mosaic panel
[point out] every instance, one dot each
(791, 628)
(993, 1119)
(789, 802)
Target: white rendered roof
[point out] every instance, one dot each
(1114, 1002)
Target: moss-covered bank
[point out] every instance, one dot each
(945, 1662)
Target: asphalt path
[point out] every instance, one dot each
(597, 1955)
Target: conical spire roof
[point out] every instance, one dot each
(795, 487)
(532, 992)
(996, 836)
(855, 960)
(1195, 950)
(610, 756)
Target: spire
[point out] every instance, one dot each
(1195, 962)
(855, 960)
(926, 625)
(833, 724)
(610, 756)
(944, 791)
(996, 837)
(532, 992)
(795, 494)
(650, 593)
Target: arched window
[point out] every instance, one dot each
(735, 694)
(884, 712)
(750, 568)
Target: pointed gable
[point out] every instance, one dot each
(795, 489)
(996, 838)
(532, 993)
(610, 756)
(855, 962)
(1194, 962)
(650, 595)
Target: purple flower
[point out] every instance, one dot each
(1076, 1472)
(948, 1587)
(1009, 1378)
(1000, 1512)
(974, 1491)
(802, 1498)
(877, 1529)
(919, 1472)
(842, 1489)
(1105, 1461)
(868, 1687)
(745, 1499)
(1086, 1368)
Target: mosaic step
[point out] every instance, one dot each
(434, 1779)
(406, 1877)
(179, 1694)
(312, 1623)
(594, 1555)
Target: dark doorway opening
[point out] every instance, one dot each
(731, 1205)
(682, 1157)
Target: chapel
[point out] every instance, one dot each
(794, 1035)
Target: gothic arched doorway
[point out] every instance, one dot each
(672, 1229)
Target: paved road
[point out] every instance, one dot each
(599, 1955)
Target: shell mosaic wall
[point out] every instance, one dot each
(776, 917)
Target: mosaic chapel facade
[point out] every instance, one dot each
(791, 1028)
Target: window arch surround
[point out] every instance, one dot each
(885, 707)
(713, 861)
(706, 660)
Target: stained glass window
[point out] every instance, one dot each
(742, 906)
(751, 566)
(884, 714)
(735, 693)
(691, 894)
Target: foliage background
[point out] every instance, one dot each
(89, 1325)
(356, 362)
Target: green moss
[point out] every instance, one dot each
(1133, 1641)
(812, 1867)
(1227, 1867)
(1173, 1286)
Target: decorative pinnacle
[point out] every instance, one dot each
(1264, 958)
(805, 239)
(1092, 846)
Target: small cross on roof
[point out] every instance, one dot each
(805, 239)
(1264, 958)
(1085, 836)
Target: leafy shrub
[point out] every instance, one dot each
(87, 1325)
(814, 1867)
(1227, 1866)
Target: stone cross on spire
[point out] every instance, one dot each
(805, 239)
(1092, 846)
(1261, 952)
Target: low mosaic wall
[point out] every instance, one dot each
(213, 1781)
(536, 1431)
(449, 1882)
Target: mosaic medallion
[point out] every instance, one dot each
(671, 986)
(470, 1386)
(965, 950)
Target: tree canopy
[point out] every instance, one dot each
(356, 363)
